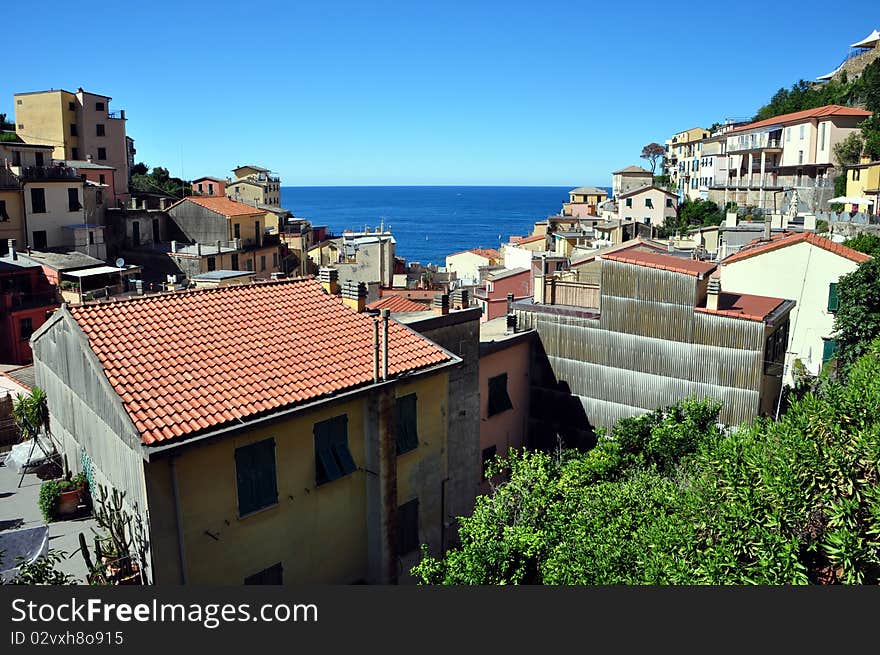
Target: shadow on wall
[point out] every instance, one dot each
(556, 414)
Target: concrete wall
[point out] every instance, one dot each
(45, 118)
(623, 182)
(14, 227)
(801, 272)
(655, 215)
(57, 213)
(466, 266)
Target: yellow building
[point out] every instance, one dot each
(682, 163)
(584, 201)
(79, 125)
(256, 431)
(863, 181)
(255, 186)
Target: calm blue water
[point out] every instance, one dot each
(429, 222)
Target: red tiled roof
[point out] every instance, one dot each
(665, 262)
(222, 205)
(532, 239)
(398, 304)
(193, 361)
(743, 305)
(488, 253)
(818, 112)
(759, 247)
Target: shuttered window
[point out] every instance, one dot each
(833, 302)
(255, 476)
(406, 411)
(829, 349)
(499, 400)
(408, 527)
(333, 459)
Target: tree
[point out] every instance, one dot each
(31, 413)
(866, 242)
(653, 152)
(140, 169)
(857, 321)
(848, 151)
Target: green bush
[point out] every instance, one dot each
(50, 493)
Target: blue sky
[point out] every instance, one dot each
(364, 93)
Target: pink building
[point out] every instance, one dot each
(504, 391)
(209, 186)
(493, 297)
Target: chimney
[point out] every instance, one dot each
(713, 291)
(385, 313)
(511, 324)
(199, 249)
(219, 249)
(329, 278)
(174, 246)
(731, 219)
(89, 158)
(460, 299)
(440, 305)
(12, 252)
(162, 203)
(768, 228)
(354, 295)
(510, 303)
(375, 350)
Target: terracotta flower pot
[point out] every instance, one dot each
(68, 502)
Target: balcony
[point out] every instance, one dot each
(8, 180)
(751, 146)
(11, 301)
(39, 173)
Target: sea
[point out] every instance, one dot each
(429, 222)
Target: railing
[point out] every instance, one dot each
(35, 173)
(769, 144)
(12, 300)
(574, 294)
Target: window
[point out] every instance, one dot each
(272, 575)
(40, 242)
(649, 203)
(102, 179)
(332, 458)
(833, 301)
(802, 132)
(91, 238)
(99, 129)
(102, 153)
(26, 328)
(255, 476)
(73, 131)
(274, 260)
(38, 157)
(99, 106)
(829, 349)
(236, 230)
(774, 350)
(99, 197)
(629, 202)
(262, 262)
(856, 174)
(408, 527)
(788, 134)
(250, 265)
(212, 263)
(38, 201)
(200, 188)
(75, 153)
(821, 136)
(3, 215)
(234, 262)
(800, 156)
(73, 200)
(257, 232)
(70, 105)
(210, 188)
(499, 401)
(488, 457)
(406, 417)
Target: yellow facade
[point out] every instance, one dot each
(319, 533)
(12, 226)
(864, 181)
(46, 118)
(324, 254)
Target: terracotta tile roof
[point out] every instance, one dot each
(743, 305)
(633, 169)
(633, 244)
(818, 112)
(759, 247)
(398, 304)
(665, 262)
(193, 361)
(532, 239)
(222, 205)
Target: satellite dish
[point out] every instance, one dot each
(120, 262)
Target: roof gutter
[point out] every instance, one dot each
(155, 453)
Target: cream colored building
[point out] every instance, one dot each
(650, 205)
(255, 185)
(77, 125)
(629, 178)
(863, 181)
(803, 267)
(466, 264)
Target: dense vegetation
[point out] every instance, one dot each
(671, 497)
(865, 242)
(158, 180)
(691, 213)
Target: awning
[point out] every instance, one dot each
(852, 200)
(90, 272)
(868, 42)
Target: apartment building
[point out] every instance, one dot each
(682, 161)
(629, 178)
(254, 185)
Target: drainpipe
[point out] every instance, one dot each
(375, 350)
(385, 313)
(181, 552)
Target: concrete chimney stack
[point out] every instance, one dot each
(768, 228)
(440, 305)
(354, 295)
(13, 253)
(713, 291)
(329, 278)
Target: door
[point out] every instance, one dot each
(155, 230)
(136, 233)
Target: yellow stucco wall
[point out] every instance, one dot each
(868, 178)
(318, 533)
(46, 119)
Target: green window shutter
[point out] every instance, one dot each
(408, 527)
(829, 349)
(833, 302)
(333, 459)
(629, 202)
(406, 414)
(255, 476)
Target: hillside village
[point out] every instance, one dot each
(281, 404)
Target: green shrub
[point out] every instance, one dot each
(50, 493)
